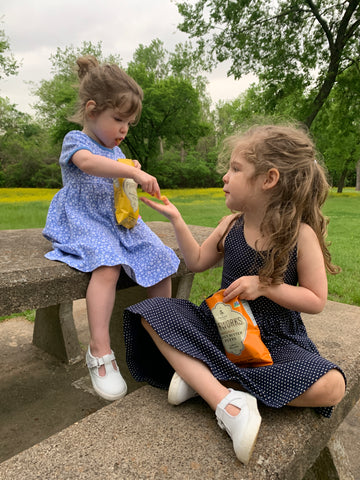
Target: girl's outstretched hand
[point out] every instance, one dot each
(166, 208)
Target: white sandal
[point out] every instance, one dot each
(179, 391)
(243, 428)
(111, 386)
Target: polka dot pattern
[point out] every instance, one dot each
(192, 330)
(82, 227)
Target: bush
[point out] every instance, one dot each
(171, 172)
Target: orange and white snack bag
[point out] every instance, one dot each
(239, 331)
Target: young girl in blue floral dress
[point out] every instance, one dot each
(81, 222)
(275, 257)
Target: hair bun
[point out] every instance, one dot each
(85, 64)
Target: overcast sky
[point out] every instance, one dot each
(36, 28)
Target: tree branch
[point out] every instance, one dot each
(322, 22)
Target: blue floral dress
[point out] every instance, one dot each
(192, 330)
(82, 227)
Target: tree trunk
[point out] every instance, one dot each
(342, 180)
(182, 152)
(343, 175)
(161, 148)
(336, 52)
(357, 187)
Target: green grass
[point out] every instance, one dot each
(344, 236)
(28, 314)
(23, 215)
(27, 208)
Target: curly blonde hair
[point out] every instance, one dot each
(297, 197)
(108, 86)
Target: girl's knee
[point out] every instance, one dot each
(334, 387)
(107, 274)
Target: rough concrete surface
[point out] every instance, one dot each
(40, 396)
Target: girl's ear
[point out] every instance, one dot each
(90, 108)
(271, 178)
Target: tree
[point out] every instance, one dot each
(8, 64)
(173, 106)
(337, 127)
(58, 96)
(291, 45)
(172, 114)
(26, 157)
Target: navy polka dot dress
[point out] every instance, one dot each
(82, 227)
(192, 330)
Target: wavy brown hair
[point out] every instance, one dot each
(297, 197)
(108, 86)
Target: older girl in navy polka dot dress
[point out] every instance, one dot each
(275, 256)
(81, 221)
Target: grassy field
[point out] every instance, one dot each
(27, 208)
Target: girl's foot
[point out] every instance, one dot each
(242, 428)
(179, 390)
(110, 386)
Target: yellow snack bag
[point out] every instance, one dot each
(126, 199)
(239, 331)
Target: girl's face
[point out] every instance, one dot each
(240, 186)
(109, 128)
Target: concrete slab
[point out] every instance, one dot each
(39, 396)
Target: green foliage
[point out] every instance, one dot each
(337, 128)
(27, 159)
(292, 45)
(172, 110)
(172, 113)
(171, 172)
(8, 64)
(58, 96)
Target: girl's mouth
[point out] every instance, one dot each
(118, 141)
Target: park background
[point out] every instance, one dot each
(304, 59)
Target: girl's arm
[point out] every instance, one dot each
(100, 166)
(198, 258)
(311, 293)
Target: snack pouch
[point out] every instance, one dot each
(239, 331)
(126, 199)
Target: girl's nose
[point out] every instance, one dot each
(225, 177)
(124, 127)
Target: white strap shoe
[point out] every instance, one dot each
(179, 391)
(243, 428)
(111, 386)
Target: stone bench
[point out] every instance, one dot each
(30, 281)
(143, 437)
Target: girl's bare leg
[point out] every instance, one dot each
(328, 391)
(161, 289)
(194, 372)
(100, 298)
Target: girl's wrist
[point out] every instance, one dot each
(177, 220)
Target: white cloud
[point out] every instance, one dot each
(36, 29)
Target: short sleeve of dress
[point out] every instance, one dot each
(73, 142)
